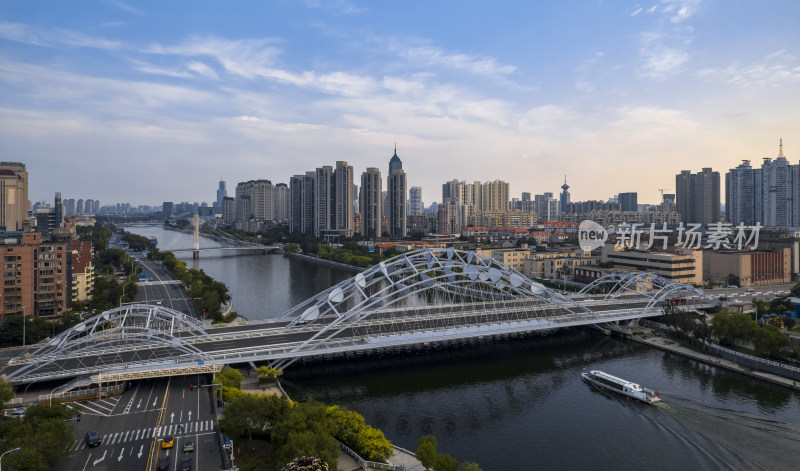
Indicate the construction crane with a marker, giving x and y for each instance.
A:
(662, 190)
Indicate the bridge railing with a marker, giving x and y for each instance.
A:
(749, 361)
(366, 465)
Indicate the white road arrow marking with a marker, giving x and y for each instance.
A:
(190, 416)
(99, 459)
(139, 404)
(172, 417)
(120, 455)
(141, 447)
(155, 401)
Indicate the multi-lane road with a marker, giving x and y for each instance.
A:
(161, 287)
(133, 425)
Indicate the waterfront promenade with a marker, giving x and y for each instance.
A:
(649, 337)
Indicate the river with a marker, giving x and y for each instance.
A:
(519, 403)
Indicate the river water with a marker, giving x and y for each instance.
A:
(519, 403)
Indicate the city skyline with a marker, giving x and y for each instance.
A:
(147, 102)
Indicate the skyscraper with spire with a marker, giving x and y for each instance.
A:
(397, 186)
(562, 204)
(769, 195)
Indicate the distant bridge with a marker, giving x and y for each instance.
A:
(426, 296)
(210, 231)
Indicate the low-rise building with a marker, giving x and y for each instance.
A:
(559, 264)
(685, 265)
(82, 270)
(752, 268)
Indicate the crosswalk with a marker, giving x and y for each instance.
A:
(191, 428)
(103, 407)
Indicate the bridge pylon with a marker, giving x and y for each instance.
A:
(196, 237)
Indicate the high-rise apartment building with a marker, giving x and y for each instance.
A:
(167, 209)
(280, 200)
(628, 201)
(769, 195)
(698, 196)
(494, 196)
(13, 196)
(228, 209)
(415, 204)
(259, 206)
(370, 203)
(324, 200)
(343, 204)
(37, 276)
(301, 203)
(396, 188)
(546, 207)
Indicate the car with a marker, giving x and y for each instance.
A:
(93, 439)
(188, 446)
(185, 464)
(162, 464)
(750, 290)
(168, 441)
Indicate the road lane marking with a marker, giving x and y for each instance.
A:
(161, 417)
(100, 459)
(87, 461)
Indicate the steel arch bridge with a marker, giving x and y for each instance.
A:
(433, 288)
(127, 335)
(428, 295)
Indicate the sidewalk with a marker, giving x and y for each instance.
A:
(649, 337)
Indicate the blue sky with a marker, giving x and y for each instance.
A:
(145, 102)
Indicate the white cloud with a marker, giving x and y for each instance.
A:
(339, 7)
(636, 12)
(201, 69)
(124, 6)
(775, 70)
(23, 33)
(433, 56)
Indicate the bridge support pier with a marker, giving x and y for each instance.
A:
(196, 237)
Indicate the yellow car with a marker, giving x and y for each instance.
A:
(168, 441)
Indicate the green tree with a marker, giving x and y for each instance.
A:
(795, 290)
(229, 377)
(769, 340)
(732, 327)
(43, 435)
(445, 462)
(244, 416)
(6, 392)
(306, 430)
(469, 466)
(426, 450)
(266, 375)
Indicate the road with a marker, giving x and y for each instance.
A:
(133, 424)
(164, 291)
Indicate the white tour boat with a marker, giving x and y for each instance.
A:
(622, 386)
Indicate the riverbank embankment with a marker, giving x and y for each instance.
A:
(654, 338)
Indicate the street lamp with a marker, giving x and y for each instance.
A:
(54, 390)
(123, 293)
(4, 454)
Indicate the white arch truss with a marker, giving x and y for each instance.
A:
(133, 333)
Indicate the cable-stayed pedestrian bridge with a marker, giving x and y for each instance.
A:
(426, 296)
